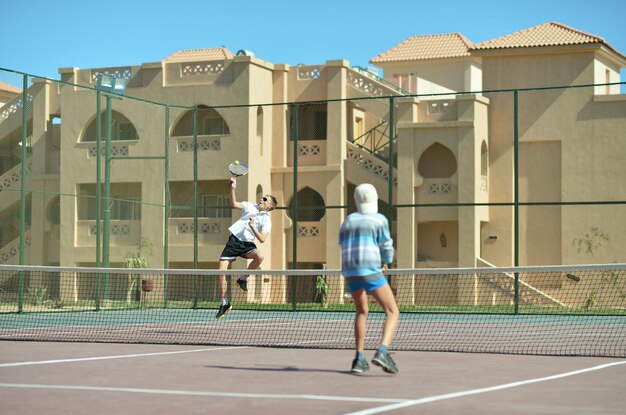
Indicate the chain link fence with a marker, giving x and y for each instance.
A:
(511, 177)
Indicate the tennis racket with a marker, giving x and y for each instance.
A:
(238, 169)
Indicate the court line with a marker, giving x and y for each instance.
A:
(201, 393)
(127, 356)
(481, 390)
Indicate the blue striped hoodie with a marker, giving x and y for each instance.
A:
(365, 244)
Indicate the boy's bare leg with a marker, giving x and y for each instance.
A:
(360, 319)
(221, 280)
(384, 297)
(257, 258)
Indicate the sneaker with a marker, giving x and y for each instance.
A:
(359, 366)
(384, 360)
(243, 285)
(224, 308)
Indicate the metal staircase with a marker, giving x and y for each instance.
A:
(369, 156)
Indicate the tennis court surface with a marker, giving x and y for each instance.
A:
(105, 378)
(471, 341)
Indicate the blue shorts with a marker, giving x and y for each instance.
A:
(356, 284)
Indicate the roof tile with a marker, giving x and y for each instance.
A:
(547, 34)
(9, 88)
(450, 45)
(199, 55)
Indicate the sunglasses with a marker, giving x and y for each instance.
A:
(265, 199)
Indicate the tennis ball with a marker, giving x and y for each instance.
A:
(236, 162)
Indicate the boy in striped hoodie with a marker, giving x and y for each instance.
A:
(366, 251)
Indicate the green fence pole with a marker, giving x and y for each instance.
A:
(392, 133)
(22, 276)
(98, 194)
(167, 206)
(294, 205)
(195, 205)
(391, 150)
(107, 197)
(516, 192)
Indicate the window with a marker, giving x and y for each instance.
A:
(210, 122)
(121, 129)
(214, 125)
(125, 201)
(311, 206)
(215, 206)
(259, 128)
(126, 208)
(358, 130)
(320, 125)
(126, 131)
(484, 159)
(312, 122)
(437, 161)
(406, 81)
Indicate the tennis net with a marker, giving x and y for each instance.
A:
(558, 310)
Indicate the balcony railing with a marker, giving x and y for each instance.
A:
(10, 252)
(205, 143)
(14, 176)
(211, 231)
(14, 107)
(381, 80)
(371, 86)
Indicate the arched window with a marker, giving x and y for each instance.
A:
(121, 128)
(259, 128)
(210, 122)
(311, 206)
(484, 159)
(437, 162)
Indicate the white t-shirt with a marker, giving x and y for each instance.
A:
(262, 222)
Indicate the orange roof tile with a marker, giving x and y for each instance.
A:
(198, 55)
(450, 45)
(547, 34)
(9, 88)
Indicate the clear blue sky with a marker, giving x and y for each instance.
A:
(40, 36)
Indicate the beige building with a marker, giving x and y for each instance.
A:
(455, 145)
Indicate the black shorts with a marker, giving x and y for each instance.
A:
(236, 248)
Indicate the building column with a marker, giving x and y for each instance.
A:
(406, 223)
(36, 179)
(337, 134)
